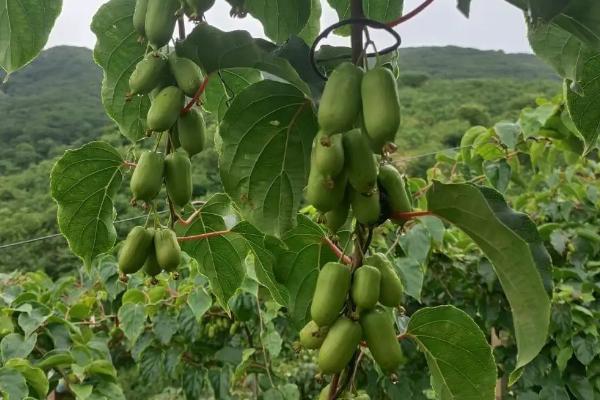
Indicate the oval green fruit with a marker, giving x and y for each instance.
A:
(139, 17)
(328, 154)
(312, 335)
(191, 132)
(160, 21)
(339, 346)
(168, 252)
(325, 193)
(333, 284)
(366, 286)
(178, 178)
(187, 74)
(135, 250)
(147, 177)
(396, 194)
(165, 109)
(379, 332)
(151, 266)
(366, 208)
(336, 218)
(147, 74)
(361, 163)
(340, 104)
(391, 288)
(380, 106)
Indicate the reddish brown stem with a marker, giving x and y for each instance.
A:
(190, 219)
(411, 14)
(129, 164)
(411, 215)
(201, 236)
(196, 97)
(337, 251)
(333, 388)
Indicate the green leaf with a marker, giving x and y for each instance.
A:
(220, 258)
(312, 28)
(498, 174)
(55, 358)
(416, 243)
(558, 48)
(12, 384)
(16, 345)
(267, 136)
(563, 357)
(165, 326)
(459, 358)
(83, 184)
(554, 393)
(264, 259)
(24, 29)
(585, 110)
(117, 52)
(581, 18)
(412, 276)
(193, 382)
(280, 18)
(100, 367)
(508, 133)
(32, 320)
(199, 302)
(214, 50)
(222, 89)
(132, 319)
(298, 266)
(511, 242)
(585, 348)
(35, 377)
(464, 6)
(380, 10)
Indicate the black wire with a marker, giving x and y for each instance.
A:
(354, 21)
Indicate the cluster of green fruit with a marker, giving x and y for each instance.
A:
(218, 326)
(154, 250)
(359, 116)
(337, 331)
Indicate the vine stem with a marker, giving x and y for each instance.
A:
(337, 251)
(129, 164)
(202, 236)
(411, 215)
(197, 96)
(411, 14)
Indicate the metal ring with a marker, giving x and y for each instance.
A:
(354, 21)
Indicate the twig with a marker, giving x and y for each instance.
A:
(337, 251)
(197, 96)
(201, 236)
(411, 215)
(411, 14)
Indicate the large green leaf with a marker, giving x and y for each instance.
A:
(15, 345)
(261, 246)
(220, 258)
(24, 29)
(312, 28)
(581, 18)
(460, 359)
(585, 110)
(35, 377)
(118, 51)
(214, 50)
(267, 137)
(83, 183)
(280, 18)
(132, 320)
(12, 384)
(222, 89)
(380, 10)
(298, 266)
(512, 244)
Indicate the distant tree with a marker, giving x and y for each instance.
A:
(414, 79)
(475, 114)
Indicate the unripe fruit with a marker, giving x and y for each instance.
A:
(160, 21)
(147, 177)
(135, 250)
(147, 74)
(312, 336)
(325, 193)
(328, 153)
(165, 109)
(331, 291)
(381, 106)
(340, 103)
(379, 332)
(339, 346)
(139, 17)
(366, 287)
(366, 208)
(394, 187)
(168, 252)
(191, 132)
(178, 178)
(187, 74)
(391, 288)
(151, 266)
(360, 161)
(337, 217)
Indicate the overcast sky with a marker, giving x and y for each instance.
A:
(494, 25)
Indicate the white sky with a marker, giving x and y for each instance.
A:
(494, 25)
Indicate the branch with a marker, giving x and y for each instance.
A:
(410, 215)
(129, 164)
(411, 14)
(202, 236)
(197, 96)
(337, 251)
